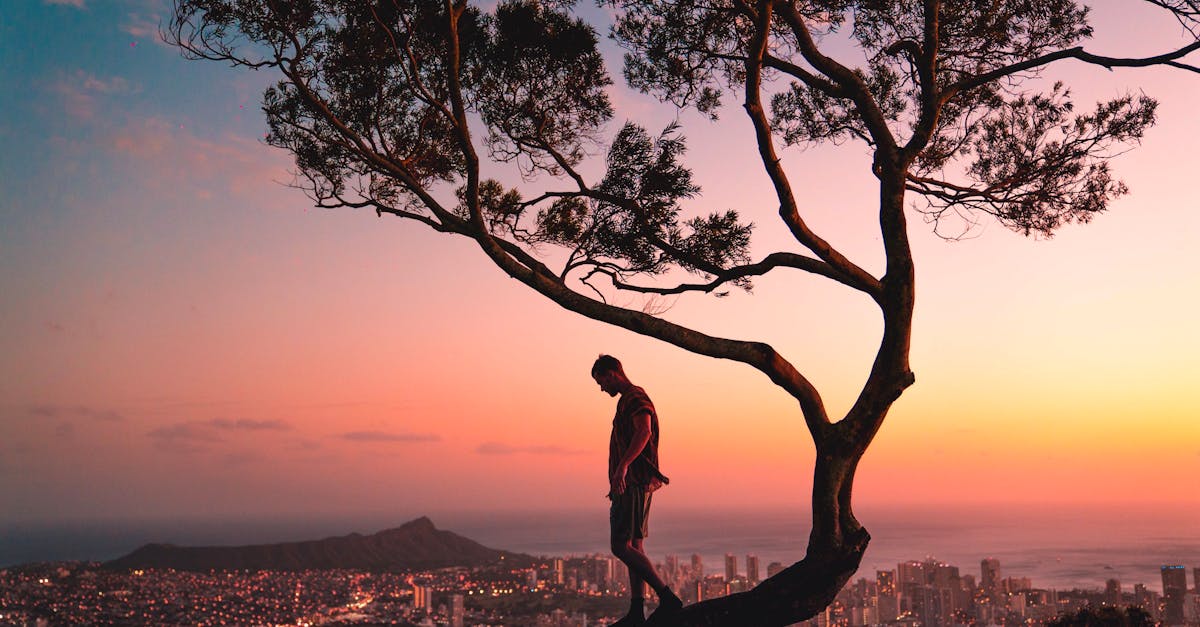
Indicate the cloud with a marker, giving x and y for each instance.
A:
(187, 432)
(197, 435)
(142, 26)
(79, 92)
(79, 411)
(383, 436)
(185, 437)
(246, 424)
(496, 448)
(113, 85)
(171, 156)
(78, 4)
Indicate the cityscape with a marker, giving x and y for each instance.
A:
(572, 591)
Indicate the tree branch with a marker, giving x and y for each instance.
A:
(517, 263)
(788, 209)
(1170, 58)
(770, 262)
(926, 64)
(869, 111)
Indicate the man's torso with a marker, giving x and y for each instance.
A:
(644, 470)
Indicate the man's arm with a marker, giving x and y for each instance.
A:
(641, 436)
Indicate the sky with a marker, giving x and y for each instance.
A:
(183, 335)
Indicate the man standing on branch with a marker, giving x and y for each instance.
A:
(633, 475)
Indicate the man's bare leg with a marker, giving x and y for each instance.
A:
(623, 550)
(641, 569)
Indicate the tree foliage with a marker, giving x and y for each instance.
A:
(397, 105)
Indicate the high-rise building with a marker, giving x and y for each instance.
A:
(600, 571)
(730, 566)
(423, 598)
(1016, 584)
(557, 577)
(911, 572)
(1112, 592)
(711, 587)
(672, 566)
(458, 611)
(942, 575)
(889, 608)
(1146, 599)
(774, 568)
(1174, 580)
(752, 569)
(989, 578)
(697, 566)
(1191, 608)
(886, 580)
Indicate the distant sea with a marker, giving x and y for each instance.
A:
(1057, 547)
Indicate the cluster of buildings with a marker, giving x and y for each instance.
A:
(575, 591)
(83, 593)
(931, 593)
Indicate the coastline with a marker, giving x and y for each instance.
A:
(1056, 547)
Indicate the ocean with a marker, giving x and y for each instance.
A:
(1056, 547)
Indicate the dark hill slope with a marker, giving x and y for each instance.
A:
(416, 545)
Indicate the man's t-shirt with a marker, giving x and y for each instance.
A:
(644, 469)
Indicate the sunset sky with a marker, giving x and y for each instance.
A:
(181, 334)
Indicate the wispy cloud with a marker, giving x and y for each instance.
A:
(384, 436)
(496, 448)
(111, 85)
(196, 435)
(246, 424)
(185, 437)
(169, 154)
(78, 4)
(79, 92)
(75, 411)
(142, 26)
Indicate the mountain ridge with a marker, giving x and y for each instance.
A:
(415, 545)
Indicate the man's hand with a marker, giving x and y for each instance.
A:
(616, 483)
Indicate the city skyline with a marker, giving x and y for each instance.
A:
(184, 334)
(917, 593)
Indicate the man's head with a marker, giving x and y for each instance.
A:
(607, 372)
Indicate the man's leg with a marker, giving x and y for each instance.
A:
(630, 552)
(637, 591)
(633, 508)
(642, 569)
(622, 522)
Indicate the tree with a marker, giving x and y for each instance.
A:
(393, 105)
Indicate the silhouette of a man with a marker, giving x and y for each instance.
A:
(633, 475)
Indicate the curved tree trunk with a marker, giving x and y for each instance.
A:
(807, 587)
(838, 541)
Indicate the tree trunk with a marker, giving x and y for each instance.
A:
(804, 589)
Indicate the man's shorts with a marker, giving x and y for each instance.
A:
(629, 514)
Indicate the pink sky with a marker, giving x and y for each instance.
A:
(182, 335)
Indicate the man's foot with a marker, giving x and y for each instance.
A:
(668, 606)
